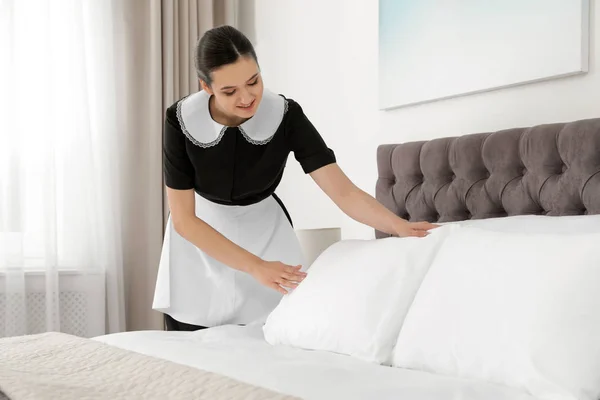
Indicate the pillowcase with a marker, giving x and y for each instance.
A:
(521, 310)
(355, 297)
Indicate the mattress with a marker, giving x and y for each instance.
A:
(243, 354)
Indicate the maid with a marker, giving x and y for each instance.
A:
(230, 252)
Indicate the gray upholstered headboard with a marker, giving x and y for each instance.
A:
(551, 169)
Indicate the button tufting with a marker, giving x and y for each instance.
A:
(564, 168)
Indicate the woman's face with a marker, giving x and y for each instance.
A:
(237, 88)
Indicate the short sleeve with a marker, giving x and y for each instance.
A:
(309, 148)
(177, 166)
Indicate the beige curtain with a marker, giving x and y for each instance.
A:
(183, 23)
(156, 53)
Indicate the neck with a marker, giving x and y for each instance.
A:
(221, 117)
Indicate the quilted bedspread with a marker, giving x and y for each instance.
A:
(60, 366)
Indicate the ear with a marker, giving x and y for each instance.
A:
(206, 87)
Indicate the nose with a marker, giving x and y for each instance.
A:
(245, 96)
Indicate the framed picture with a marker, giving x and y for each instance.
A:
(437, 49)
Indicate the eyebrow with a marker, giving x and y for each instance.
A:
(232, 87)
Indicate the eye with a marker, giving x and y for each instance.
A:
(229, 93)
(254, 82)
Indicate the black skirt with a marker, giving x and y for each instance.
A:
(172, 324)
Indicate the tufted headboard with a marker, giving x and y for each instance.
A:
(551, 169)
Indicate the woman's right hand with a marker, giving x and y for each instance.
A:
(277, 275)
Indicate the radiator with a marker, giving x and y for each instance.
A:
(81, 304)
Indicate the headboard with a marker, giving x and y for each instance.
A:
(551, 169)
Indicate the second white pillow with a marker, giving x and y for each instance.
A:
(515, 309)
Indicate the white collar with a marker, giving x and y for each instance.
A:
(197, 124)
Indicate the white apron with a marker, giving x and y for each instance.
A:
(196, 289)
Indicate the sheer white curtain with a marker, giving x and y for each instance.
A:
(83, 89)
(61, 265)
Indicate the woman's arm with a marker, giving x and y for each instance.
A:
(206, 238)
(362, 207)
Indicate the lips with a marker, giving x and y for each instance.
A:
(247, 106)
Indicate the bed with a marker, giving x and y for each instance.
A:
(537, 179)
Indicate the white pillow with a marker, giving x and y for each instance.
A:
(521, 310)
(355, 297)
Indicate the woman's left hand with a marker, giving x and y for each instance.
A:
(418, 229)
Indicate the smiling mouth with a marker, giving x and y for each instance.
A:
(247, 106)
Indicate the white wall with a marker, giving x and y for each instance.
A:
(324, 55)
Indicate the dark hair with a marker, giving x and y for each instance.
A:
(220, 46)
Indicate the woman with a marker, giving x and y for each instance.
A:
(230, 251)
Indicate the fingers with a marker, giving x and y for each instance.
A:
(293, 277)
(294, 270)
(288, 284)
(419, 233)
(281, 285)
(279, 276)
(293, 273)
(424, 225)
(416, 233)
(278, 288)
(290, 280)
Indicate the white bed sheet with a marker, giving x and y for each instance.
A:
(243, 354)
